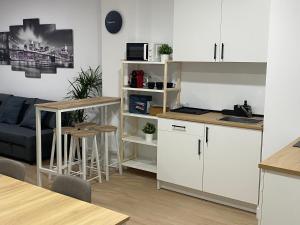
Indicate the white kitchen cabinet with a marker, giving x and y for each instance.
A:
(280, 199)
(180, 153)
(238, 28)
(231, 158)
(244, 30)
(196, 30)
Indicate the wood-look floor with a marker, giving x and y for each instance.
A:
(135, 194)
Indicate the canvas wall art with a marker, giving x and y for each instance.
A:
(4, 51)
(38, 48)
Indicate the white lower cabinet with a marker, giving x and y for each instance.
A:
(279, 203)
(231, 158)
(215, 159)
(180, 153)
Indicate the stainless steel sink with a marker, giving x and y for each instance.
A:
(240, 119)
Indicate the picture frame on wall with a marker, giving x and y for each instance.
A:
(4, 48)
(36, 48)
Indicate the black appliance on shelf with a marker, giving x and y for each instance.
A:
(137, 51)
(189, 110)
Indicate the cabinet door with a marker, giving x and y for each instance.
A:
(280, 199)
(231, 157)
(179, 159)
(196, 29)
(244, 30)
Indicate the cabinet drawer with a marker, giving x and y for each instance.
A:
(181, 126)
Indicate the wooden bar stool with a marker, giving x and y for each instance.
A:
(82, 135)
(112, 131)
(85, 125)
(65, 131)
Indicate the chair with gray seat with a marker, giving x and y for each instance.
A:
(12, 169)
(73, 187)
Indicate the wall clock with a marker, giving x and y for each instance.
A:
(113, 22)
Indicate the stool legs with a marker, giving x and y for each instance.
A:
(84, 158)
(52, 154)
(106, 156)
(95, 151)
(118, 153)
(72, 145)
(53, 151)
(65, 152)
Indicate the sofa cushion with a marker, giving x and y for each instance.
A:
(12, 107)
(29, 118)
(17, 135)
(26, 106)
(3, 98)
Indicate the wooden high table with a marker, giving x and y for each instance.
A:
(22, 203)
(58, 108)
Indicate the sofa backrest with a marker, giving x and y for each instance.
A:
(48, 117)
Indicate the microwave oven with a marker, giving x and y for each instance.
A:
(137, 51)
(142, 52)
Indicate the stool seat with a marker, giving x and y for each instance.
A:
(105, 128)
(66, 130)
(83, 133)
(85, 125)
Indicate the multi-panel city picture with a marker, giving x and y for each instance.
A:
(38, 48)
(4, 51)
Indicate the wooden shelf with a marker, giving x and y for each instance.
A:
(141, 164)
(145, 116)
(143, 89)
(139, 140)
(143, 62)
(126, 88)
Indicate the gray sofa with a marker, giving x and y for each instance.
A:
(17, 128)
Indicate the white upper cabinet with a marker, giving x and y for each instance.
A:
(244, 30)
(196, 30)
(238, 29)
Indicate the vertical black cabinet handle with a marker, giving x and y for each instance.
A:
(215, 52)
(206, 135)
(199, 147)
(222, 52)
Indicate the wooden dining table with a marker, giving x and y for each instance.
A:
(22, 203)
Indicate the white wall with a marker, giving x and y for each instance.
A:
(214, 86)
(282, 109)
(219, 86)
(81, 16)
(144, 20)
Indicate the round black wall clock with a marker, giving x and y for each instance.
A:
(113, 22)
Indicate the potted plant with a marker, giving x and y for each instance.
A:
(88, 84)
(149, 129)
(165, 51)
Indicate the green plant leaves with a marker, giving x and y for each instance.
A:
(165, 49)
(149, 128)
(88, 84)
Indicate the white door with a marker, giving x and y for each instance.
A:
(231, 157)
(179, 160)
(196, 30)
(244, 30)
(280, 199)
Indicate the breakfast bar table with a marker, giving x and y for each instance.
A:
(58, 108)
(22, 203)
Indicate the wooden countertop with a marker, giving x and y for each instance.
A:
(70, 104)
(25, 204)
(287, 160)
(210, 118)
